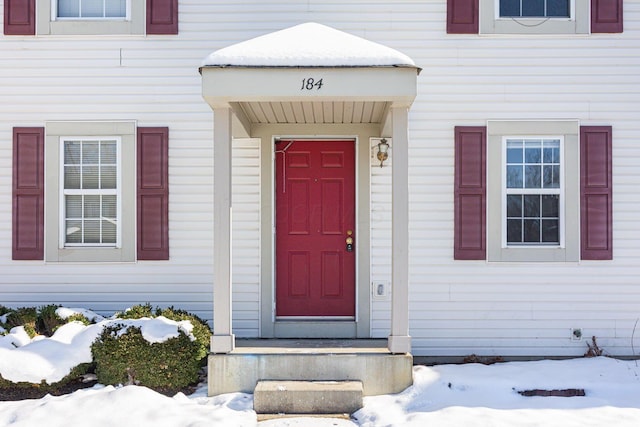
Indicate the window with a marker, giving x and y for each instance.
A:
(534, 17)
(90, 192)
(76, 17)
(532, 186)
(90, 17)
(90, 203)
(101, 179)
(533, 191)
(535, 8)
(543, 195)
(101, 9)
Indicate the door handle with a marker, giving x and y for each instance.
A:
(349, 241)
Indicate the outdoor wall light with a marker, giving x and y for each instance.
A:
(383, 151)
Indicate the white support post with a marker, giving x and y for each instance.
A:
(222, 341)
(399, 341)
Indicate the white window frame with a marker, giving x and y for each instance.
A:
(125, 251)
(578, 21)
(55, 17)
(64, 192)
(569, 248)
(48, 23)
(534, 191)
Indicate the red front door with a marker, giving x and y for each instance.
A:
(315, 215)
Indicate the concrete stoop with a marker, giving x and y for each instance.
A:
(378, 371)
(307, 397)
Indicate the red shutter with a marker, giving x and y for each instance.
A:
(462, 17)
(162, 16)
(470, 193)
(20, 17)
(606, 16)
(153, 193)
(28, 194)
(596, 212)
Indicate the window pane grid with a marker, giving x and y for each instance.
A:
(91, 219)
(90, 192)
(532, 191)
(533, 219)
(92, 9)
(535, 8)
(533, 164)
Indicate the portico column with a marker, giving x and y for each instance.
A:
(222, 341)
(399, 340)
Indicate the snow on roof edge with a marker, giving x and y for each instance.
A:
(308, 66)
(305, 46)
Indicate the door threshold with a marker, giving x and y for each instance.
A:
(324, 327)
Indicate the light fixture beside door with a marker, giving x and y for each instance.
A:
(383, 151)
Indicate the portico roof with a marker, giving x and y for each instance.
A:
(309, 74)
(308, 45)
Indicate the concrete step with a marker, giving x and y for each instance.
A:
(307, 397)
(379, 372)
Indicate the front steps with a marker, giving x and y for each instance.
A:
(366, 361)
(307, 397)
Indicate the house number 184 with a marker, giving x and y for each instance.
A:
(311, 84)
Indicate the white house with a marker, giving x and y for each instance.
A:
(501, 223)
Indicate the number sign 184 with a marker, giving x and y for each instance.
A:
(311, 84)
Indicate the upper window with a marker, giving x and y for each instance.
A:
(535, 8)
(91, 9)
(532, 187)
(89, 17)
(90, 192)
(534, 17)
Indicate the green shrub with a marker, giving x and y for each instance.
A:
(24, 316)
(123, 356)
(4, 310)
(48, 321)
(4, 328)
(137, 312)
(79, 318)
(37, 390)
(41, 321)
(201, 330)
(120, 354)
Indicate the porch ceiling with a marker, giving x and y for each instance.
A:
(314, 112)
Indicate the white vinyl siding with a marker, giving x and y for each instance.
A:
(456, 308)
(380, 241)
(246, 193)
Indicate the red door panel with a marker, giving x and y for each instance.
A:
(315, 212)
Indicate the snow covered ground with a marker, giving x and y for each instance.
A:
(446, 395)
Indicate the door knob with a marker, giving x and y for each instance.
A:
(349, 241)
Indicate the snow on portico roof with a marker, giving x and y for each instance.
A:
(308, 45)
